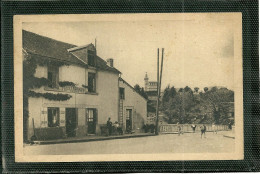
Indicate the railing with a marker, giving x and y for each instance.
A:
(68, 89)
(170, 128)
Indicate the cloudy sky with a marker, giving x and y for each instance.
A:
(198, 53)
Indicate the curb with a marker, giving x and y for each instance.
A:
(88, 140)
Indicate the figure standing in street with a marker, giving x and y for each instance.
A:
(214, 129)
(179, 129)
(203, 130)
(193, 126)
(109, 126)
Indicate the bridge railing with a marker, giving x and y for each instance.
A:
(170, 128)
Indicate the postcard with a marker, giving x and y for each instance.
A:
(128, 87)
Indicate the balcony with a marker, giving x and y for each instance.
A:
(70, 89)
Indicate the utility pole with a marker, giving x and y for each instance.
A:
(157, 105)
(96, 45)
(159, 81)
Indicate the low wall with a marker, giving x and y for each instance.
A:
(170, 128)
(50, 133)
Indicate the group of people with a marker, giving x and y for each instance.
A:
(115, 126)
(203, 129)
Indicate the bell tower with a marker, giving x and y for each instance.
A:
(146, 82)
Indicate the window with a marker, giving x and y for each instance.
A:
(91, 114)
(122, 93)
(53, 117)
(91, 58)
(53, 76)
(91, 82)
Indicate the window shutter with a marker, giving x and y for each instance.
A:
(95, 116)
(62, 117)
(86, 117)
(44, 118)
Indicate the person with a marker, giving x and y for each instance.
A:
(193, 126)
(214, 129)
(116, 125)
(179, 129)
(203, 130)
(109, 126)
(230, 126)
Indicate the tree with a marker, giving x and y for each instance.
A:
(180, 90)
(166, 95)
(208, 107)
(173, 92)
(206, 89)
(187, 89)
(215, 99)
(140, 91)
(196, 89)
(137, 88)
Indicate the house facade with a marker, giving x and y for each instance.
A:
(82, 91)
(132, 113)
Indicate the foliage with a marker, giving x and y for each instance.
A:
(151, 106)
(206, 89)
(66, 83)
(84, 86)
(196, 89)
(185, 106)
(50, 96)
(141, 91)
(30, 63)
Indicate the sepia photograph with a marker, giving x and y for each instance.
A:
(128, 87)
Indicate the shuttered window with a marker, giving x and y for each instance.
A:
(53, 117)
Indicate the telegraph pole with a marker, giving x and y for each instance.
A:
(159, 81)
(157, 105)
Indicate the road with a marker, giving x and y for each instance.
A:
(167, 143)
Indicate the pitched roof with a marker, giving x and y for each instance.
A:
(120, 79)
(50, 48)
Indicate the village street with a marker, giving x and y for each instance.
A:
(166, 143)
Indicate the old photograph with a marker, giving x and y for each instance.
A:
(128, 87)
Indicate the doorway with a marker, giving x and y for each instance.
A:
(128, 120)
(91, 120)
(71, 122)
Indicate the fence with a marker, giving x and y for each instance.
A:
(170, 128)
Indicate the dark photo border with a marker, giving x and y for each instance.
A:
(250, 20)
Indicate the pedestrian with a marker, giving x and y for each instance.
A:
(109, 126)
(193, 126)
(230, 126)
(116, 125)
(179, 129)
(203, 130)
(214, 129)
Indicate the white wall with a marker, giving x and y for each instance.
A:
(105, 99)
(137, 102)
(73, 73)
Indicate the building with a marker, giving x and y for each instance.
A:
(82, 92)
(149, 85)
(132, 113)
(150, 88)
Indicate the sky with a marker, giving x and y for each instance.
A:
(197, 53)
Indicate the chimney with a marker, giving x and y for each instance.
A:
(110, 62)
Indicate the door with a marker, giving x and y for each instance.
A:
(91, 120)
(71, 122)
(128, 120)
